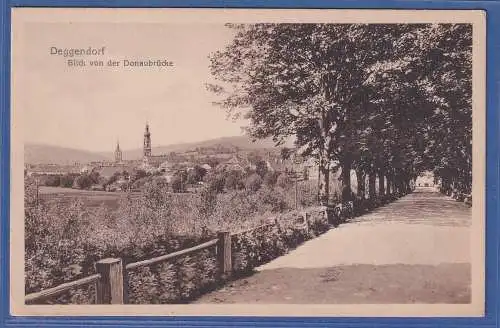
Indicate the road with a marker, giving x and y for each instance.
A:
(414, 250)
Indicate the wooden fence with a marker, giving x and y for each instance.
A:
(110, 278)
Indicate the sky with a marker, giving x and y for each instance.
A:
(91, 108)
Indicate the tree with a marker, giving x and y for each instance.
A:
(261, 168)
(67, 180)
(302, 80)
(112, 179)
(234, 180)
(177, 184)
(94, 177)
(53, 181)
(379, 98)
(427, 88)
(139, 174)
(84, 181)
(216, 181)
(196, 174)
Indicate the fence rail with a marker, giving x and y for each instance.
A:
(241, 232)
(110, 282)
(58, 290)
(173, 255)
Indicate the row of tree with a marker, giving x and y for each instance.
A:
(386, 100)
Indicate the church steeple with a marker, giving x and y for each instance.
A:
(147, 142)
(118, 152)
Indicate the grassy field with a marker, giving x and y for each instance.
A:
(88, 197)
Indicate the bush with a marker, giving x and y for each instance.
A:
(53, 181)
(216, 181)
(177, 184)
(67, 181)
(112, 179)
(261, 168)
(196, 174)
(84, 181)
(64, 240)
(234, 180)
(253, 182)
(270, 179)
(283, 180)
(258, 246)
(138, 174)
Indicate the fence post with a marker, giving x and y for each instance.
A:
(224, 253)
(306, 222)
(109, 288)
(277, 223)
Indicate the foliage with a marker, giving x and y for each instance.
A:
(377, 98)
(253, 182)
(196, 174)
(84, 181)
(53, 181)
(216, 181)
(270, 179)
(234, 180)
(67, 180)
(283, 180)
(261, 168)
(138, 174)
(63, 241)
(178, 184)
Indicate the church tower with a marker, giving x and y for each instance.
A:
(147, 142)
(118, 153)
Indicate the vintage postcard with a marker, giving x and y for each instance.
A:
(248, 162)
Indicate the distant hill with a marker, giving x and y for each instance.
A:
(45, 154)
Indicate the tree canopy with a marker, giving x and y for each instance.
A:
(387, 99)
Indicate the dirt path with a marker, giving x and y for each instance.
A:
(415, 250)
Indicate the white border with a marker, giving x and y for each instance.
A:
(21, 16)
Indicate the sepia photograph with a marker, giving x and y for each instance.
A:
(247, 162)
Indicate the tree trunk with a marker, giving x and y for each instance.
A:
(324, 126)
(389, 185)
(360, 176)
(381, 183)
(346, 179)
(371, 185)
(324, 182)
(397, 183)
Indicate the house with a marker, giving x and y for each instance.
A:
(234, 163)
(166, 166)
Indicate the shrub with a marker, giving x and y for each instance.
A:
(67, 181)
(261, 168)
(64, 240)
(216, 181)
(138, 174)
(177, 184)
(112, 179)
(234, 180)
(84, 181)
(53, 181)
(253, 182)
(270, 179)
(283, 180)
